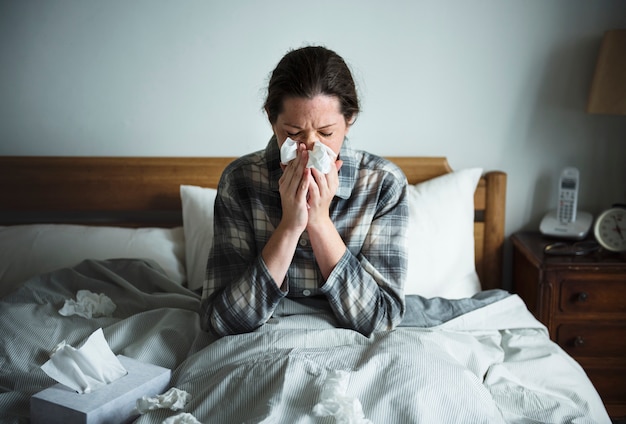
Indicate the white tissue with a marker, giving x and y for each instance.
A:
(321, 157)
(174, 399)
(334, 401)
(182, 418)
(288, 151)
(85, 369)
(88, 305)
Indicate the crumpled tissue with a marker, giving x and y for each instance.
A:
(321, 157)
(182, 418)
(335, 402)
(85, 369)
(88, 305)
(174, 399)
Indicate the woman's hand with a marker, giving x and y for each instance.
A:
(322, 190)
(294, 186)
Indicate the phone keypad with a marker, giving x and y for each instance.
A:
(566, 205)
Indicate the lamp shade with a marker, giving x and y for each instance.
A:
(608, 89)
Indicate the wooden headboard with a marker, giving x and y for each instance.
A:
(145, 191)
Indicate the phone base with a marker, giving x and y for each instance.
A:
(577, 230)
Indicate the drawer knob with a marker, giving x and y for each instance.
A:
(579, 341)
(582, 297)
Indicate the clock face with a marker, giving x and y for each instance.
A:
(610, 229)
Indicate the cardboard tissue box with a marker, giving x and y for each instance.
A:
(113, 403)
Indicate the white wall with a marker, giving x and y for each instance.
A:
(491, 83)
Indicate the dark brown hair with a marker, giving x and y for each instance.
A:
(307, 72)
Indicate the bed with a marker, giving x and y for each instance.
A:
(138, 230)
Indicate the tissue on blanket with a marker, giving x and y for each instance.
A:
(174, 399)
(88, 305)
(182, 418)
(91, 366)
(321, 157)
(334, 401)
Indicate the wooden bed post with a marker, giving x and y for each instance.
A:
(495, 204)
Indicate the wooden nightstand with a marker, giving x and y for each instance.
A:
(582, 301)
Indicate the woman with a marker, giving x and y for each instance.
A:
(286, 229)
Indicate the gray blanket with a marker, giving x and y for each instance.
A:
(247, 378)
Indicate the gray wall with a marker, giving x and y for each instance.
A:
(490, 83)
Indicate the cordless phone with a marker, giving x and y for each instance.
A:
(568, 195)
(566, 221)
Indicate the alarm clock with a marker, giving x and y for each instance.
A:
(610, 229)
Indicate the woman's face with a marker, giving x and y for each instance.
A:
(309, 120)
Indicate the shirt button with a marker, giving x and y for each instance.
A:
(303, 242)
(306, 292)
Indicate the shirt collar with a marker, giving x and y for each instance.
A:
(347, 173)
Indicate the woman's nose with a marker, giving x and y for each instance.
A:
(309, 141)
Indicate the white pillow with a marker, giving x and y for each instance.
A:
(441, 236)
(30, 250)
(198, 224)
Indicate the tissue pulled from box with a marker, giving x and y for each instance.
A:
(86, 369)
(88, 305)
(174, 399)
(335, 402)
(321, 157)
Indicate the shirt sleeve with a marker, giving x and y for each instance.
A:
(366, 288)
(239, 294)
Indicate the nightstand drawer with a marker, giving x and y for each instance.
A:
(592, 340)
(580, 293)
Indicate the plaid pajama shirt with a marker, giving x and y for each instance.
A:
(365, 289)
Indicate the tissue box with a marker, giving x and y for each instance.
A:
(113, 403)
